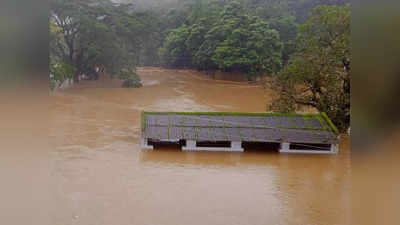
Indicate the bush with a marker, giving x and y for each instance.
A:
(61, 71)
(130, 78)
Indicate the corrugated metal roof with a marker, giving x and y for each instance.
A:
(251, 127)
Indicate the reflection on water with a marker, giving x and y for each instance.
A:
(103, 177)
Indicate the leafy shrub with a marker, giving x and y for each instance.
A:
(130, 78)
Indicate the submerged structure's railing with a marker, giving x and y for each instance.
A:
(296, 133)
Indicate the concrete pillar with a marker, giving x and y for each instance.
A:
(145, 144)
(334, 148)
(285, 146)
(190, 145)
(236, 145)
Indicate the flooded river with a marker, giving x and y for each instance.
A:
(104, 178)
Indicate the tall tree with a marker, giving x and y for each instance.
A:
(318, 75)
(248, 43)
(90, 33)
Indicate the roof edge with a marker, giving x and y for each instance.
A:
(233, 114)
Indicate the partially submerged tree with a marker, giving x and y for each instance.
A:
(130, 78)
(318, 74)
(89, 33)
(60, 72)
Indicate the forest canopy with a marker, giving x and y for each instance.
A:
(234, 41)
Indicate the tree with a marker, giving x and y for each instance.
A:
(318, 74)
(249, 45)
(59, 72)
(130, 78)
(93, 33)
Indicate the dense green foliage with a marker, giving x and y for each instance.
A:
(87, 34)
(318, 74)
(233, 41)
(59, 73)
(248, 36)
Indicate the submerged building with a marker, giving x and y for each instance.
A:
(214, 131)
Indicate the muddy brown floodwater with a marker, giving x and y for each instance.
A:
(102, 176)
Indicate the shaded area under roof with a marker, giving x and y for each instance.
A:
(249, 127)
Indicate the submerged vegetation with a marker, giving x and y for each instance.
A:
(303, 45)
(130, 78)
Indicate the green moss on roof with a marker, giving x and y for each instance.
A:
(232, 114)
